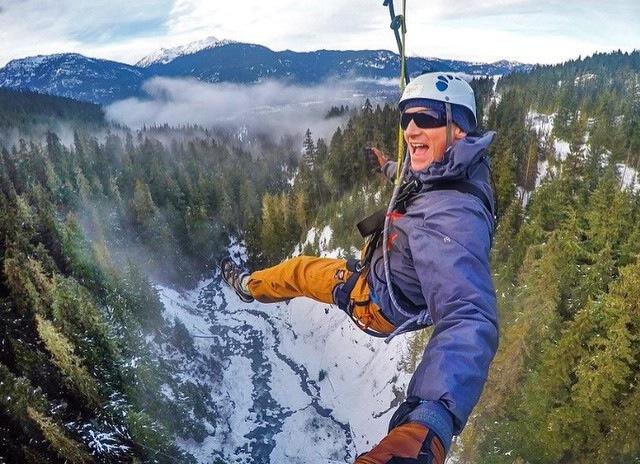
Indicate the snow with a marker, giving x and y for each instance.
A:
(358, 368)
(270, 403)
(628, 177)
(307, 437)
(495, 97)
(322, 241)
(584, 78)
(325, 237)
(543, 125)
(562, 149)
(543, 172)
(166, 55)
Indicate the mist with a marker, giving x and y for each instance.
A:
(268, 107)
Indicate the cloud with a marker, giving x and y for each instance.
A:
(30, 27)
(268, 107)
(526, 30)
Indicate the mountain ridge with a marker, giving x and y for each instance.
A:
(211, 60)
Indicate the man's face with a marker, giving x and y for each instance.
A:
(427, 145)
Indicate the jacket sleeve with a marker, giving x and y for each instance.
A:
(450, 252)
(389, 170)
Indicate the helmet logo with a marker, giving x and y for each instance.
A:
(442, 84)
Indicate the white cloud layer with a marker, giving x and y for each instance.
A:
(269, 107)
(526, 30)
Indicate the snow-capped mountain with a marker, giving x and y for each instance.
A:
(166, 55)
(75, 76)
(212, 60)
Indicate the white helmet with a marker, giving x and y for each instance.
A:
(443, 87)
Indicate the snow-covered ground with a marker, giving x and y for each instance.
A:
(628, 177)
(543, 125)
(321, 241)
(292, 382)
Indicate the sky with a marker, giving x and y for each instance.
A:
(540, 31)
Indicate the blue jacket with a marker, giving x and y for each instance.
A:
(440, 261)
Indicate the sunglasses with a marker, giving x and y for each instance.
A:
(423, 120)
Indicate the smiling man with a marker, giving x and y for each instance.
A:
(439, 271)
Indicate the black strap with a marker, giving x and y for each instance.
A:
(375, 221)
(402, 413)
(342, 296)
(461, 186)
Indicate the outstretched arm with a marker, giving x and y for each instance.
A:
(451, 256)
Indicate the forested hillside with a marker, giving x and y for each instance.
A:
(90, 217)
(84, 227)
(564, 385)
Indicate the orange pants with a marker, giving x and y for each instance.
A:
(316, 278)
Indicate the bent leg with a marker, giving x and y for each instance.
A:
(316, 278)
(308, 276)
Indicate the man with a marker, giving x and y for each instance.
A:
(439, 267)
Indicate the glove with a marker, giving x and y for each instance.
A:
(410, 443)
(375, 159)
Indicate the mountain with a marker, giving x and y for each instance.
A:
(166, 55)
(246, 63)
(75, 76)
(212, 60)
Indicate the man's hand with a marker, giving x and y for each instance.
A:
(375, 159)
(408, 443)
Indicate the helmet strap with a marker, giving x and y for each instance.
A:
(449, 124)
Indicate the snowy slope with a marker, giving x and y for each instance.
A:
(543, 125)
(166, 55)
(73, 75)
(294, 383)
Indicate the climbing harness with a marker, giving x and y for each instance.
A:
(342, 292)
(342, 297)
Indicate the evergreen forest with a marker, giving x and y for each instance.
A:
(93, 214)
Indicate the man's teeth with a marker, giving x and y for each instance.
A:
(420, 145)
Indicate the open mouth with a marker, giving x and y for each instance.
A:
(418, 147)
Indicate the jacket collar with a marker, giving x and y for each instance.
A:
(457, 159)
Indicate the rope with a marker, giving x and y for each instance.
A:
(398, 24)
(422, 318)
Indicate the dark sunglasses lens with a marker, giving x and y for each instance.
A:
(405, 119)
(422, 120)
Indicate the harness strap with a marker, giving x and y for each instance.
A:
(402, 413)
(447, 106)
(461, 186)
(342, 297)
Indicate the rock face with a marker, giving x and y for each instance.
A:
(212, 60)
(281, 383)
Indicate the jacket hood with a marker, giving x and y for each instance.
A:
(457, 159)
